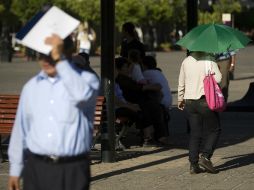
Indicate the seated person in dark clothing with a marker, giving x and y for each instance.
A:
(147, 96)
(134, 92)
(81, 60)
(130, 40)
(123, 107)
(126, 114)
(125, 111)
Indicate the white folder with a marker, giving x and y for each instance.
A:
(44, 24)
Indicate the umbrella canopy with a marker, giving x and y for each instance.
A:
(214, 38)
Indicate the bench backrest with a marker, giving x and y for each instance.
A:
(9, 104)
(100, 114)
(8, 108)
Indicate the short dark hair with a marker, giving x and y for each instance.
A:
(120, 61)
(134, 55)
(69, 47)
(150, 62)
(129, 27)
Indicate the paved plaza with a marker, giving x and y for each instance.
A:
(141, 168)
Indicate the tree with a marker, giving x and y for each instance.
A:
(150, 15)
(85, 10)
(128, 10)
(157, 11)
(26, 9)
(178, 18)
(219, 7)
(1, 8)
(82, 9)
(7, 18)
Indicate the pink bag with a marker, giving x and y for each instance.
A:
(213, 94)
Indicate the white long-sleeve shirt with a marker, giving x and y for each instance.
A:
(192, 74)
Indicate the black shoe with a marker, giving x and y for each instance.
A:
(207, 164)
(195, 169)
(150, 143)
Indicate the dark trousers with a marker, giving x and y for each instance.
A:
(127, 114)
(154, 114)
(205, 129)
(43, 175)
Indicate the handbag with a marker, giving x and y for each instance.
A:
(213, 93)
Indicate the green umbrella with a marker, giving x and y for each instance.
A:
(214, 38)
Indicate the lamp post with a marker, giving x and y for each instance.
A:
(107, 78)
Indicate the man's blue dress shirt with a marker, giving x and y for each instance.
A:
(55, 115)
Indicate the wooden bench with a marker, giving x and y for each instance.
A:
(8, 109)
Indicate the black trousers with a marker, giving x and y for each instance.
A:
(205, 129)
(43, 175)
(129, 114)
(154, 114)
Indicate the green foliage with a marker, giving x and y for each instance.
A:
(179, 13)
(25, 9)
(157, 10)
(128, 10)
(161, 14)
(1, 8)
(227, 6)
(220, 7)
(86, 10)
(82, 9)
(142, 11)
(7, 18)
(148, 12)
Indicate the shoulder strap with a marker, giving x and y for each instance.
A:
(208, 67)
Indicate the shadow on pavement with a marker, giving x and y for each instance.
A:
(236, 162)
(129, 154)
(245, 104)
(236, 127)
(244, 78)
(130, 169)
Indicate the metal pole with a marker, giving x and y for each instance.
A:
(192, 14)
(107, 78)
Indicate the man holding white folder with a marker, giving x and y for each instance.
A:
(52, 133)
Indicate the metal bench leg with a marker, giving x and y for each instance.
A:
(119, 145)
(1, 150)
(95, 140)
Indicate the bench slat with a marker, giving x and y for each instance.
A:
(8, 106)
(8, 101)
(4, 121)
(8, 111)
(7, 116)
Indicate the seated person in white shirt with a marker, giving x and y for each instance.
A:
(136, 67)
(154, 76)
